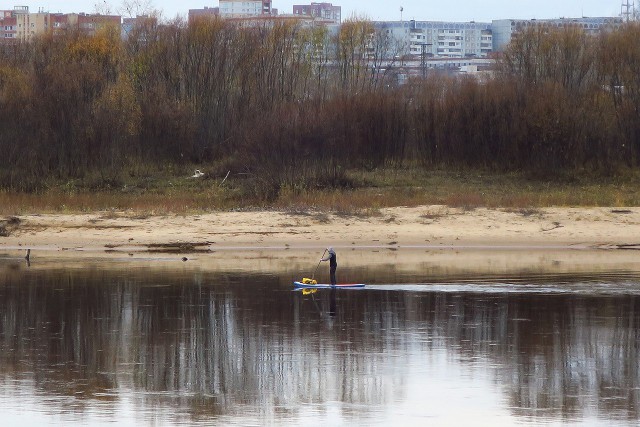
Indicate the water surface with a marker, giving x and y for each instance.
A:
(141, 344)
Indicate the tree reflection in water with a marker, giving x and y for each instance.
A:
(221, 345)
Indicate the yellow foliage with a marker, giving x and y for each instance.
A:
(14, 85)
(99, 48)
(119, 106)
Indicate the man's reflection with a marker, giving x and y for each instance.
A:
(318, 303)
(332, 302)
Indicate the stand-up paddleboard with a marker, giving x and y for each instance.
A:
(300, 285)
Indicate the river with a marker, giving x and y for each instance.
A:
(158, 343)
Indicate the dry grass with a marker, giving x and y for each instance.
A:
(435, 213)
(8, 225)
(375, 190)
(526, 212)
(143, 205)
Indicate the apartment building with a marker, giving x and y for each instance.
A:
(324, 11)
(243, 8)
(505, 29)
(8, 25)
(140, 24)
(89, 24)
(438, 39)
(206, 13)
(21, 25)
(265, 21)
(250, 14)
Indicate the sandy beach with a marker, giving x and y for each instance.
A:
(442, 242)
(421, 227)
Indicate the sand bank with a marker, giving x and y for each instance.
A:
(439, 241)
(421, 227)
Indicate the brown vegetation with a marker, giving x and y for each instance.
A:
(289, 109)
(8, 225)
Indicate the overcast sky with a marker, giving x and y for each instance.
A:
(441, 10)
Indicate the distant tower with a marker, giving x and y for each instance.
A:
(627, 11)
(401, 10)
(266, 7)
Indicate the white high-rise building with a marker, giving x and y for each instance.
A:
(244, 8)
(505, 29)
(439, 39)
(325, 11)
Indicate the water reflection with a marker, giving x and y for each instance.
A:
(147, 345)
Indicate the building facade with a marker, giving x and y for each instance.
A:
(21, 25)
(89, 24)
(206, 13)
(325, 11)
(438, 39)
(8, 26)
(140, 25)
(240, 8)
(505, 29)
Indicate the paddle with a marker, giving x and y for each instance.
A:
(314, 271)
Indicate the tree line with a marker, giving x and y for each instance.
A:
(290, 106)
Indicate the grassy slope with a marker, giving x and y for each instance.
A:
(163, 194)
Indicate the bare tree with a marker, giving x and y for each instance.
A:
(102, 7)
(135, 8)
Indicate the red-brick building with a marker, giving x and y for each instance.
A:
(20, 24)
(86, 23)
(206, 13)
(8, 26)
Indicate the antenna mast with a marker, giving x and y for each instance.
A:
(628, 8)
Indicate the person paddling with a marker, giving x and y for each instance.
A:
(333, 264)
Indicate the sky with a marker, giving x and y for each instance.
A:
(387, 10)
